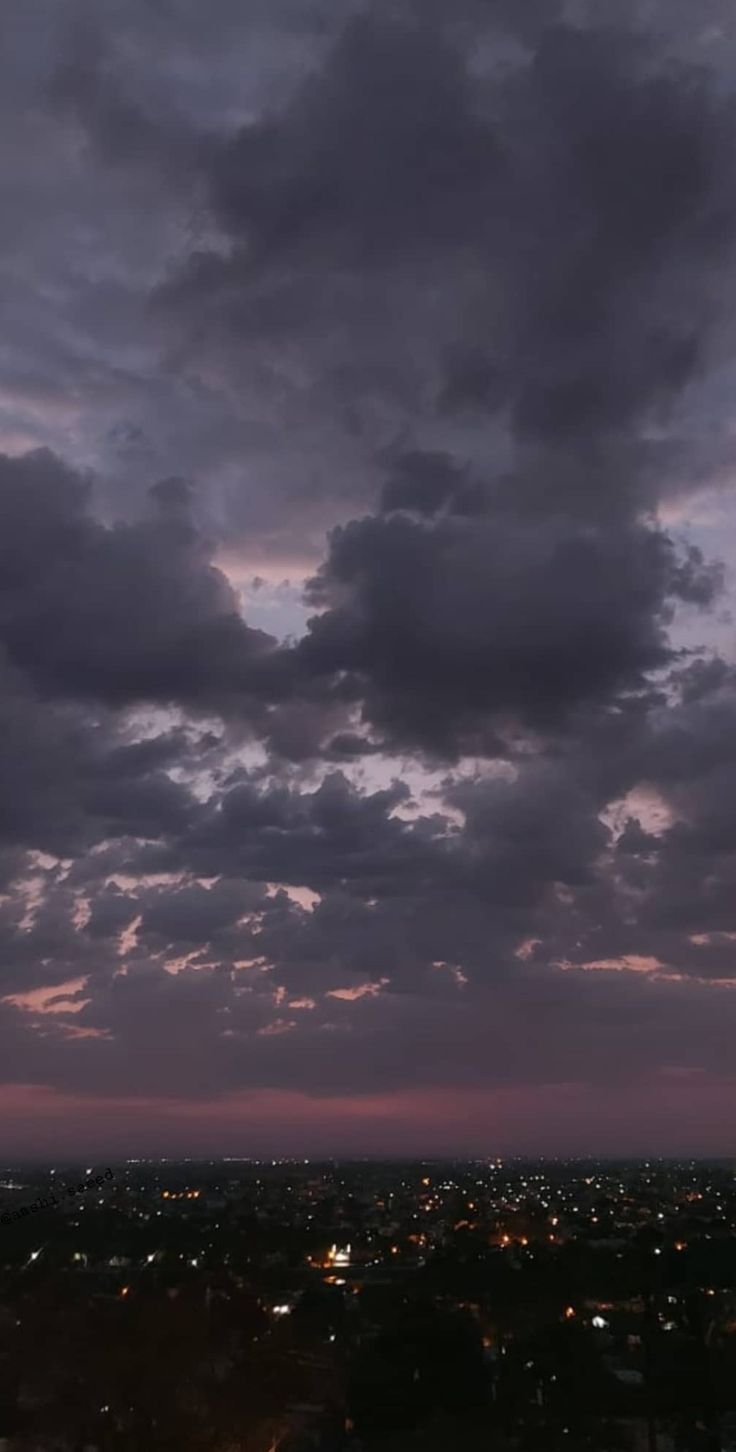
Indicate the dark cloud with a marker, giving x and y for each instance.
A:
(577, 203)
(334, 834)
(61, 784)
(449, 624)
(548, 235)
(132, 613)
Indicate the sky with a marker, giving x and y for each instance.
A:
(367, 678)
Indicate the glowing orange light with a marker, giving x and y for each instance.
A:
(569, 1312)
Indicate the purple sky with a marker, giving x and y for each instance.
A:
(367, 685)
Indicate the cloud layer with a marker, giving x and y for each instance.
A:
(368, 702)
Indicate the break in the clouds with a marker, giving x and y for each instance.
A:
(368, 710)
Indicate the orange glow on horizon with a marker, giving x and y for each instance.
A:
(567, 1117)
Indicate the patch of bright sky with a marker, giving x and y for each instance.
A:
(428, 785)
(304, 896)
(643, 803)
(278, 607)
(708, 522)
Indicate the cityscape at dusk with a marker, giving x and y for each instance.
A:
(251, 1305)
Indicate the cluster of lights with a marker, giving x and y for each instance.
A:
(336, 1256)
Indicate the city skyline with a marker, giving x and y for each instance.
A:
(367, 683)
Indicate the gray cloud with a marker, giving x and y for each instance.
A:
(125, 614)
